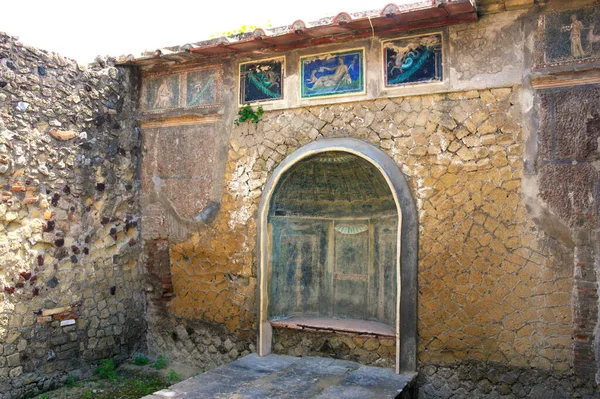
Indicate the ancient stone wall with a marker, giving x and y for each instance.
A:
(501, 159)
(488, 288)
(69, 218)
(505, 179)
(491, 287)
(470, 379)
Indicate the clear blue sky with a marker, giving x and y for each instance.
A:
(82, 29)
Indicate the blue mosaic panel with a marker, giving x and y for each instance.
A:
(332, 74)
(261, 81)
(413, 60)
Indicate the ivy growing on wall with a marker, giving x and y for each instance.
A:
(246, 113)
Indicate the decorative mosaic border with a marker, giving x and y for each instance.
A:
(198, 87)
(412, 64)
(340, 84)
(270, 96)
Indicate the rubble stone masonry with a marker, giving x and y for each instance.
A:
(69, 218)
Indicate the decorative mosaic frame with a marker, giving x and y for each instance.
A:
(426, 50)
(329, 84)
(252, 81)
(560, 44)
(184, 89)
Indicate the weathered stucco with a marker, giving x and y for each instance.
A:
(486, 52)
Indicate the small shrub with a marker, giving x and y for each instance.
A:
(161, 363)
(86, 395)
(71, 381)
(107, 369)
(173, 377)
(140, 360)
(45, 396)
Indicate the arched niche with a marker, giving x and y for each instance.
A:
(387, 197)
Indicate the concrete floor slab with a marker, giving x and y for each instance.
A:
(276, 376)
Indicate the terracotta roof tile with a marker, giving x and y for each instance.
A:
(344, 26)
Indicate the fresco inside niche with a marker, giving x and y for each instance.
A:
(261, 81)
(332, 74)
(572, 35)
(413, 60)
(161, 92)
(202, 87)
(333, 222)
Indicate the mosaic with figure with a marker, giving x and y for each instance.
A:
(261, 81)
(202, 87)
(413, 60)
(161, 93)
(332, 74)
(572, 35)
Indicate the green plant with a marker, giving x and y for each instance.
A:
(140, 360)
(241, 29)
(246, 113)
(161, 363)
(71, 380)
(142, 384)
(45, 396)
(173, 377)
(107, 369)
(86, 395)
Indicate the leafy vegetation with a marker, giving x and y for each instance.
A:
(133, 380)
(160, 363)
(125, 385)
(173, 377)
(107, 369)
(246, 113)
(71, 380)
(241, 29)
(140, 360)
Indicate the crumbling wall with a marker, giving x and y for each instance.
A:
(568, 184)
(69, 218)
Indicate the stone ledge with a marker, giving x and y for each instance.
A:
(329, 324)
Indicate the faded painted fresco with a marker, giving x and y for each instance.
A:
(413, 60)
(332, 73)
(202, 87)
(161, 92)
(334, 241)
(572, 35)
(261, 81)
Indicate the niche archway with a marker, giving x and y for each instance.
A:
(340, 269)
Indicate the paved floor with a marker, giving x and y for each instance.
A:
(276, 376)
